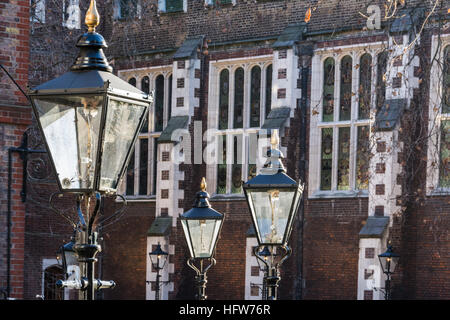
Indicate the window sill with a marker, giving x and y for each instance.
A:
(439, 192)
(227, 197)
(339, 194)
(150, 198)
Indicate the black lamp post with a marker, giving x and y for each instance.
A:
(201, 226)
(89, 119)
(273, 199)
(388, 262)
(158, 254)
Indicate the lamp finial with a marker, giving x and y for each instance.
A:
(203, 184)
(92, 18)
(274, 139)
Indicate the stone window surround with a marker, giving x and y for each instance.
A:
(435, 116)
(138, 74)
(215, 67)
(337, 53)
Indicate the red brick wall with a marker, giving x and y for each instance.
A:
(15, 116)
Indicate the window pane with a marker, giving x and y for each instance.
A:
(328, 90)
(446, 82)
(326, 158)
(132, 81)
(155, 164)
(128, 8)
(143, 167)
(145, 86)
(362, 158)
(444, 168)
(159, 103)
(346, 89)
(365, 76)
(252, 155)
(381, 84)
(268, 89)
(238, 98)
(169, 102)
(174, 5)
(255, 96)
(236, 172)
(222, 165)
(343, 159)
(130, 176)
(224, 88)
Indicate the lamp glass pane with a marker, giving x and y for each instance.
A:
(122, 122)
(271, 210)
(203, 236)
(187, 236)
(71, 126)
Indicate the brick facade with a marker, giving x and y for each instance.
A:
(15, 116)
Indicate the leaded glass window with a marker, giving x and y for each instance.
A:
(159, 103)
(268, 89)
(343, 172)
(326, 159)
(143, 166)
(238, 98)
(236, 171)
(328, 90)
(140, 178)
(446, 81)
(241, 98)
(365, 83)
(444, 152)
(128, 8)
(222, 165)
(444, 168)
(381, 83)
(255, 96)
(344, 133)
(145, 86)
(174, 5)
(224, 92)
(362, 158)
(345, 97)
(130, 176)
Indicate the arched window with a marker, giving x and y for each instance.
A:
(145, 86)
(328, 90)
(224, 89)
(365, 81)
(343, 140)
(255, 96)
(381, 83)
(268, 89)
(51, 275)
(345, 97)
(238, 98)
(159, 103)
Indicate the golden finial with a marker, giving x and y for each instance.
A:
(92, 18)
(274, 140)
(203, 184)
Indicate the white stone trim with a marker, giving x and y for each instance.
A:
(250, 261)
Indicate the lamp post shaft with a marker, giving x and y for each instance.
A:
(272, 281)
(201, 281)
